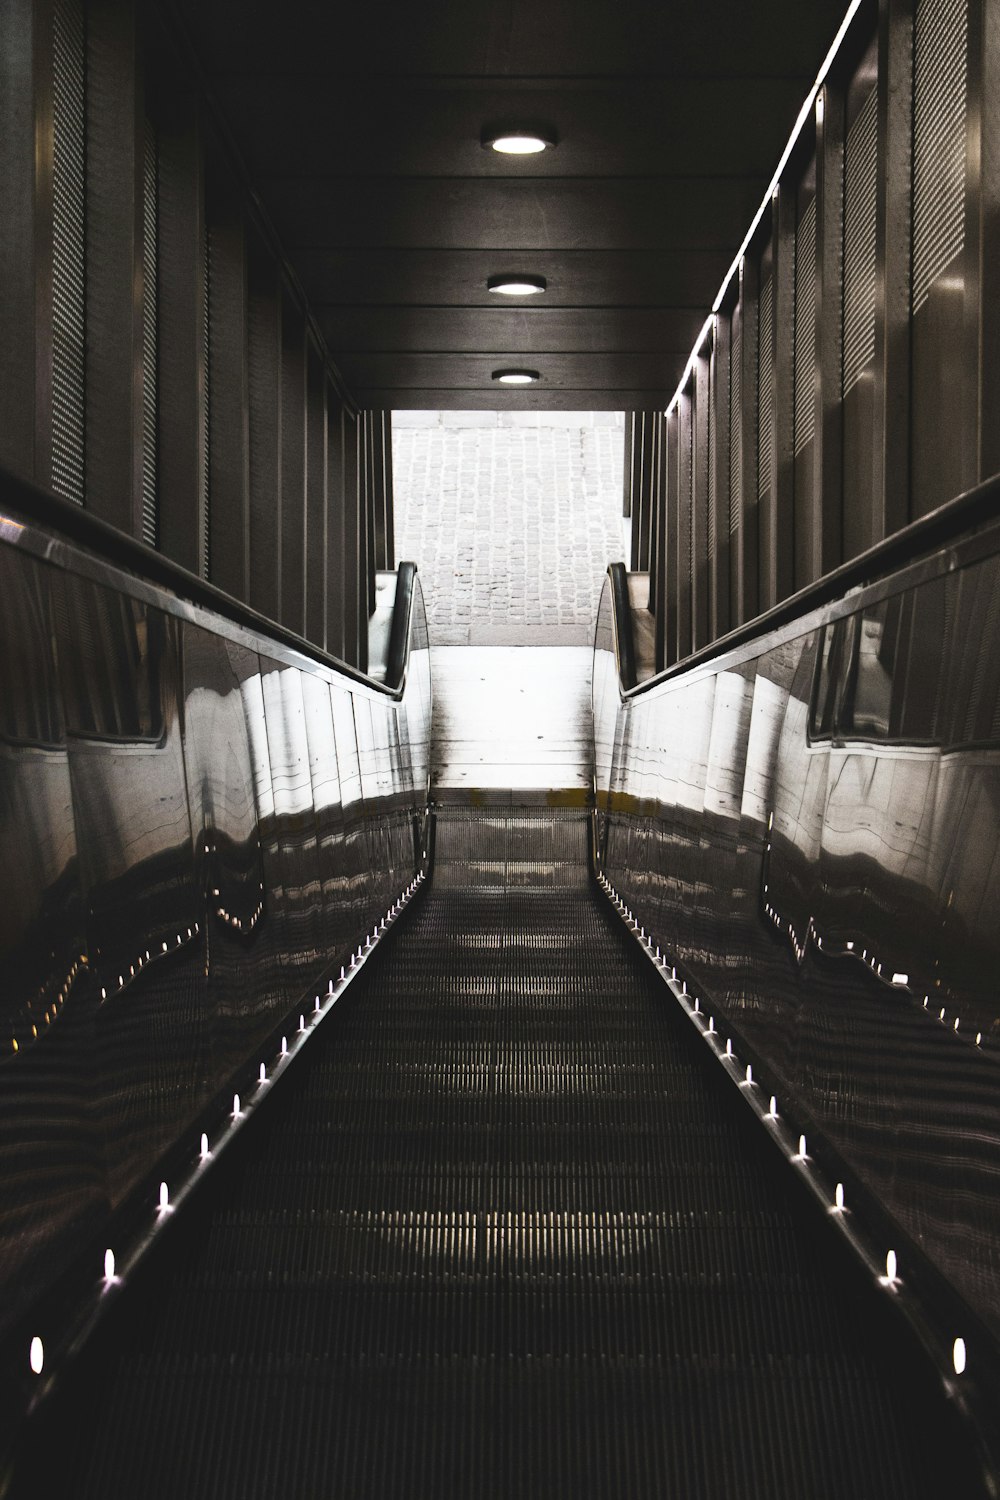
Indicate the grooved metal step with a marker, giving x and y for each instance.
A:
(504, 1235)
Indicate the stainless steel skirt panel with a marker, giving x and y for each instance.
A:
(813, 830)
(194, 834)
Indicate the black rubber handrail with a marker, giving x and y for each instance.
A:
(399, 636)
(949, 522)
(622, 614)
(26, 502)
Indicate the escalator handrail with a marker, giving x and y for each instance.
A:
(621, 614)
(940, 528)
(399, 635)
(28, 505)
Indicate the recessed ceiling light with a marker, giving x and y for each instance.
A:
(516, 286)
(516, 377)
(519, 141)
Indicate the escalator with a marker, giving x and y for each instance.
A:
(502, 1231)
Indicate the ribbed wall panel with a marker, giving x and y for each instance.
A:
(939, 136)
(713, 495)
(206, 410)
(150, 321)
(69, 163)
(765, 390)
(805, 328)
(860, 204)
(687, 491)
(736, 429)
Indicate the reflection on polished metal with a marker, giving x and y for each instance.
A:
(809, 825)
(204, 829)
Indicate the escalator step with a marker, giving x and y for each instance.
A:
(505, 1234)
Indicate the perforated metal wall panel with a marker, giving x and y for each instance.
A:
(939, 137)
(69, 101)
(687, 489)
(150, 319)
(206, 409)
(765, 390)
(713, 498)
(735, 428)
(860, 203)
(805, 327)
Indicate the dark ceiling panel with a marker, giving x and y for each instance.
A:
(360, 130)
(526, 38)
(528, 398)
(457, 278)
(457, 330)
(606, 128)
(530, 213)
(610, 370)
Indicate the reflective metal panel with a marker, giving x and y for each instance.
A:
(329, 808)
(294, 828)
(812, 829)
(244, 990)
(187, 859)
(50, 1165)
(355, 844)
(119, 674)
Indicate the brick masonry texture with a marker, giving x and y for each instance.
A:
(512, 519)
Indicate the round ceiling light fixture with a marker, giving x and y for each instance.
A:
(516, 377)
(522, 140)
(516, 286)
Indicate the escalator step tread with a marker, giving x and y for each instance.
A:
(504, 1235)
